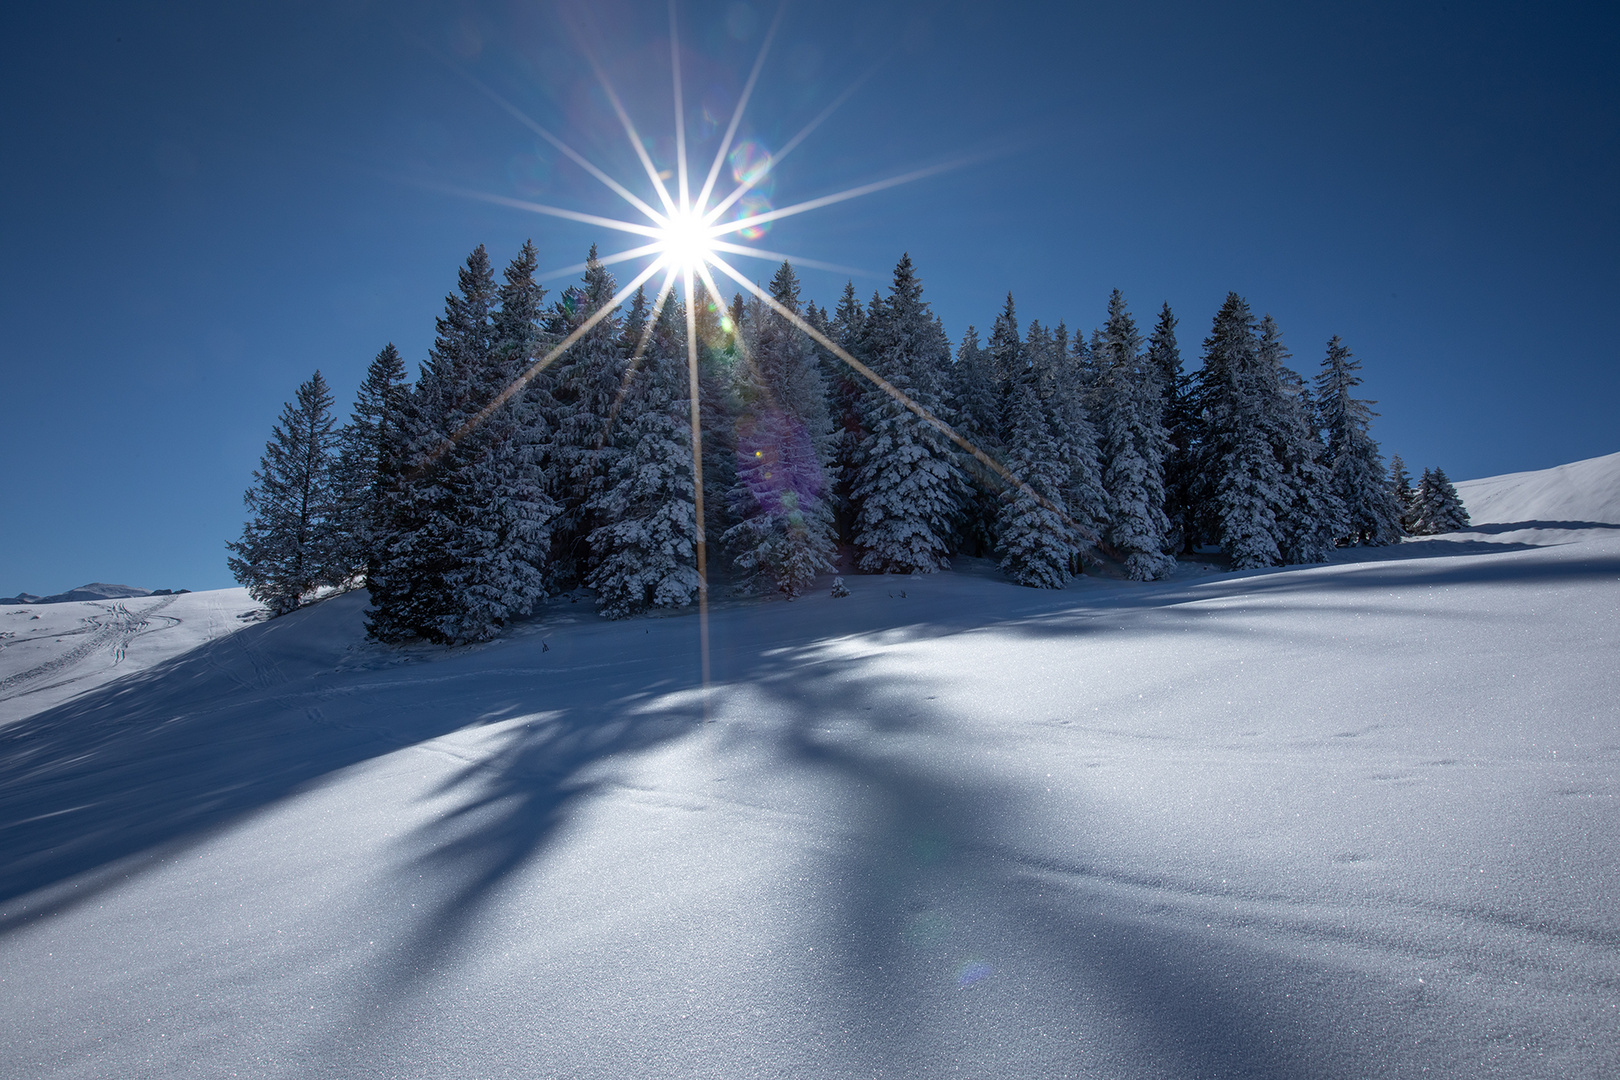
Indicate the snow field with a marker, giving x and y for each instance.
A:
(1351, 820)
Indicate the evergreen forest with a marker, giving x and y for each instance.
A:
(462, 499)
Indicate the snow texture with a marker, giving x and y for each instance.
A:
(1353, 820)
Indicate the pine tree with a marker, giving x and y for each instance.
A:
(1035, 539)
(1372, 513)
(784, 535)
(845, 391)
(1450, 513)
(976, 413)
(1436, 506)
(507, 514)
(288, 548)
(465, 517)
(1180, 425)
(718, 359)
(907, 487)
(1241, 488)
(1400, 489)
(645, 549)
(364, 446)
(1005, 352)
(1313, 518)
(1132, 445)
(589, 380)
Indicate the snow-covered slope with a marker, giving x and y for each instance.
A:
(1573, 496)
(1357, 820)
(53, 651)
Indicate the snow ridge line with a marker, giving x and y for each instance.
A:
(112, 631)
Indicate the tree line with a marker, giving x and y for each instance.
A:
(463, 499)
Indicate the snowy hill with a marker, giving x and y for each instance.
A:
(1352, 820)
(1576, 495)
(54, 649)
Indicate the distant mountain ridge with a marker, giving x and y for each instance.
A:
(96, 590)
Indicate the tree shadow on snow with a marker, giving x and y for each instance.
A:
(956, 950)
(116, 781)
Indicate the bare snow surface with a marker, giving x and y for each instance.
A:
(1356, 820)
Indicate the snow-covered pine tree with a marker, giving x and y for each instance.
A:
(1241, 488)
(717, 334)
(1180, 424)
(420, 547)
(907, 487)
(588, 381)
(976, 413)
(1400, 489)
(1372, 514)
(465, 516)
(506, 512)
(784, 534)
(1005, 353)
(1436, 506)
(1069, 415)
(289, 547)
(1035, 540)
(644, 552)
(1311, 522)
(1424, 506)
(1450, 514)
(1132, 446)
(845, 388)
(362, 464)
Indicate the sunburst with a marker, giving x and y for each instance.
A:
(684, 237)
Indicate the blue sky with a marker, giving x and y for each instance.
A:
(201, 206)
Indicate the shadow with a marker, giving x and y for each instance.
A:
(949, 942)
(1497, 527)
(124, 776)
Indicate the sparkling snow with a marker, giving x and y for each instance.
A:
(1353, 820)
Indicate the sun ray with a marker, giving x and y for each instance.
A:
(680, 111)
(523, 118)
(702, 551)
(540, 208)
(633, 135)
(517, 384)
(635, 358)
(605, 260)
(771, 162)
(742, 104)
(775, 256)
(837, 197)
(902, 397)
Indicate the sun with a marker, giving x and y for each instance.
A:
(686, 235)
(685, 241)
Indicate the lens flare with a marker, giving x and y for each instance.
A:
(685, 237)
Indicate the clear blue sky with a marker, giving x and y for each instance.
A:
(200, 204)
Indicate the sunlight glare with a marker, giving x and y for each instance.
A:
(686, 240)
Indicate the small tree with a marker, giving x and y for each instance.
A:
(1372, 513)
(1436, 506)
(1400, 489)
(288, 548)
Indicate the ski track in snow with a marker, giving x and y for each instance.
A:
(109, 633)
(1344, 821)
